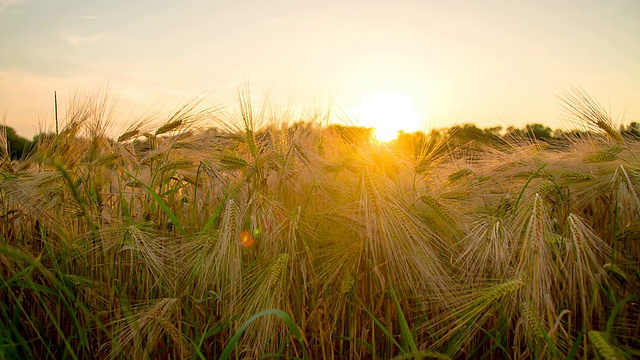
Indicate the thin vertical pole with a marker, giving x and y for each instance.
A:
(55, 105)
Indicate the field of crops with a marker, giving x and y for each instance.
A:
(265, 240)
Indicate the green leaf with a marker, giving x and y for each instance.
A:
(279, 313)
(163, 205)
(407, 337)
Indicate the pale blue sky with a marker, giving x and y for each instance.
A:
(488, 62)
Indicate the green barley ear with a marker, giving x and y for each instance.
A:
(603, 156)
(251, 141)
(108, 159)
(500, 290)
(230, 220)
(168, 127)
(555, 239)
(616, 149)
(603, 347)
(128, 135)
(616, 272)
(455, 195)
(348, 283)
(277, 270)
(575, 176)
(532, 324)
(460, 174)
(546, 188)
(174, 165)
(233, 161)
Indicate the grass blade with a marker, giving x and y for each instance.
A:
(163, 206)
(279, 313)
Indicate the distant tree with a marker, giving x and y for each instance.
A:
(513, 133)
(493, 132)
(44, 139)
(410, 143)
(631, 130)
(558, 133)
(465, 133)
(530, 131)
(538, 132)
(18, 146)
(352, 134)
(470, 133)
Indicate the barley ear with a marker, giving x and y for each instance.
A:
(603, 347)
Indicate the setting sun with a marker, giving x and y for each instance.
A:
(388, 113)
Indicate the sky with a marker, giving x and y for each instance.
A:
(407, 65)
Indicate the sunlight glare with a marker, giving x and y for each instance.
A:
(388, 113)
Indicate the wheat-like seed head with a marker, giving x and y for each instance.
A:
(575, 176)
(175, 164)
(168, 127)
(602, 345)
(347, 284)
(175, 334)
(276, 270)
(437, 207)
(532, 323)
(500, 290)
(128, 135)
(603, 156)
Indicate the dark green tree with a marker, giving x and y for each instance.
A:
(631, 130)
(538, 132)
(17, 145)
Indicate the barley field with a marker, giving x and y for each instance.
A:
(262, 239)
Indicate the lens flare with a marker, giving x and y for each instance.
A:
(245, 239)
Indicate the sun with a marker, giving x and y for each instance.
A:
(387, 113)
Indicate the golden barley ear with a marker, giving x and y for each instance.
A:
(176, 336)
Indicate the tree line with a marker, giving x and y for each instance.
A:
(459, 135)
